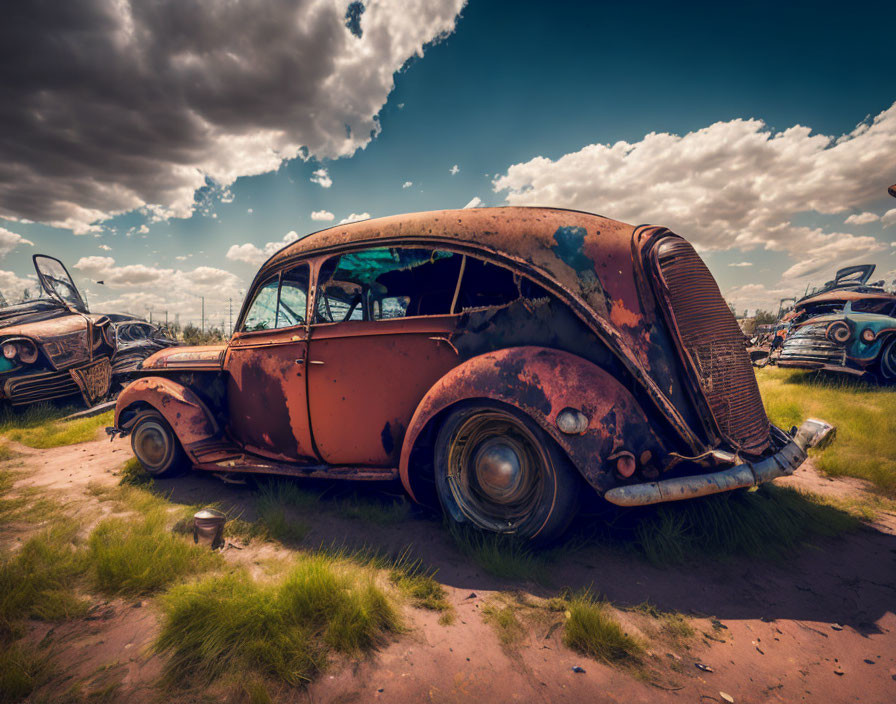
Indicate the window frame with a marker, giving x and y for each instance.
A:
(240, 330)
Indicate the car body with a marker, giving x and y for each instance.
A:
(849, 342)
(53, 347)
(503, 361)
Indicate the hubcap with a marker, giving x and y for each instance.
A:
(498, 471)
(151, 444)
(495, 470)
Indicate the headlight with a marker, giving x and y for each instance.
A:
(868, 335)
(22, 348)
(839, 332)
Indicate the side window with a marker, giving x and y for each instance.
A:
(262, 313)
(385, 283)
(486, 285)
(269, 313)
(293, 297)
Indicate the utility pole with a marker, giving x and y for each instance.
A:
(230, 320)
(166, 318)
(202, 321)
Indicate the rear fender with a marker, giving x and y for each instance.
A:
(184, 410)
(542, 382)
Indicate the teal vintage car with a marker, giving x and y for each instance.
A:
(852, 342)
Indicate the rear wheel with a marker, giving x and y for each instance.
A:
(499, 472)
(156, 446)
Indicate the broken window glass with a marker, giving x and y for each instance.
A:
(293, 297)
(384, 283)
(486, 285)
(262, 314)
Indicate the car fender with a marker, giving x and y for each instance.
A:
(184, 410)
(541, 382)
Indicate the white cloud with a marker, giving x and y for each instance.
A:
(453, 170)
(862, 218)
(251, 254)
(733, 184)
(182, 257)
(323, 215)
(105, 248)
(407, 184)
(355, 217)
(741, 264)
(10, 240)
(250, 210)
(13, 287)
(475, 203)
(321, 178)
(888, 218)
(137, 288)
(200, 91)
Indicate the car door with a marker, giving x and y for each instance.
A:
(378, 343)
(266, 367)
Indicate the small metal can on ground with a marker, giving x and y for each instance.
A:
(208, 527)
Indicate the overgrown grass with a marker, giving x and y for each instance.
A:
(503, 618)
(503, 556)
(286, 630)
(54, 433)
(767, 523)
(671, 623)
(22, 669)
(865, 416)
(592, 630)
(39, 581)
(140, 555)
(418, 583)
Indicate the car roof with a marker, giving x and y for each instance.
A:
(567, 245)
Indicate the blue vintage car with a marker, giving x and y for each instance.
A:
(857, 343)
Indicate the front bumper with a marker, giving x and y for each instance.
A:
(812, 433)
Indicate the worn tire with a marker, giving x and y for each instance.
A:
(496, 470)
(156, 446)
(886, 362)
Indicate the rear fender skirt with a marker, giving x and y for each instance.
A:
(542, 382)
(184, 410)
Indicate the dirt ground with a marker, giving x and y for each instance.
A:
(819, 627)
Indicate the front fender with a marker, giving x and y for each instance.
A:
(541, 382)
(184, 410)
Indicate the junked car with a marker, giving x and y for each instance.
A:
(501, 362)
(54, 348)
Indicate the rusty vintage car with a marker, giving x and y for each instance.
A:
(54, 348)
(501, 362)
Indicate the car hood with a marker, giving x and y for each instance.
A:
(204, 357)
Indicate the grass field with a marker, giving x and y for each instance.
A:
(41, 426)
(865, 417)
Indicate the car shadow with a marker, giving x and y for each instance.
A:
(839, 580)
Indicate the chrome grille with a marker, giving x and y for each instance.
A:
(810, 344)
(713, 344)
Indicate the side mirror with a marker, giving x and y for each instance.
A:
(892, 190)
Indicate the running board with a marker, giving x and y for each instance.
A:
(254, 465)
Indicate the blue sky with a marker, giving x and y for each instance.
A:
(519, 96)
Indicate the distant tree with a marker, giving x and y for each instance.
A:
(194, 336)
(764, 317)
(732, 308)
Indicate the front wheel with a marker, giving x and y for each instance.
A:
(498, 471)
(887, 362)
(156, 446)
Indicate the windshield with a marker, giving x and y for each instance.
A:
(55, 280)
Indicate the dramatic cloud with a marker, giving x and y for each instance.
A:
(321, 178)
(888, 219)
(355, 217)
(323, 215)
(733, 184)
(862, 218)
(250, 254)
(112, 105)
(10, 240)
(137, 289)
(13, 287)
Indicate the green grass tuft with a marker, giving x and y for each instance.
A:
(501, 555)
(419, 584)
(37, 581)
(21, 671)
(133, 474)
(283, 630)
(54, 433)
(767, 523)
(865, 417)
(504, 620)
(592, 630)
(140, 555)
